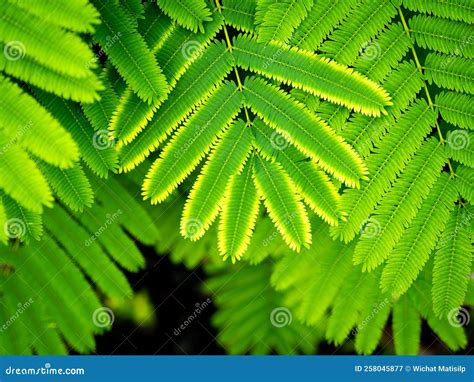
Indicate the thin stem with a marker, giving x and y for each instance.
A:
(427, 92)
(237, 75)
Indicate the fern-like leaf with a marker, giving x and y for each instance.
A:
(461, 10)
(384, 164)
(450, 72)
(413, 249)
(312, 184)
(406, 327)
(276, 20)
(75, 15)
(460, 146)
(128, 52)
(456, 108)
(444, 36)
(321, 20)
(452, 264)
(280, 198)
(239, 214)
(316, 75)
(292, 120)
(34, 128)
(205, 198)
(400, 205)
(70, 185)
(30, 191)
(191, 143)
(190, 91)
(188, 13)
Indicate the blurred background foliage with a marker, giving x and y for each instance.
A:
(92, 93)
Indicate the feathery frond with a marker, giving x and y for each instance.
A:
(188, 13)
(415, 245)
(452, 263)
(284, 206)
(316, 75)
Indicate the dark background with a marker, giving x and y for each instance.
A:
(173, 291)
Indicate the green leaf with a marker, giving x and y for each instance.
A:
(444, 36)
(71, 185)
(191, 143)
(283, 203)
(406, 327)
(309, 134)
(413, 250)
(453, 258)
(456, 108)
(31, 191)
(204, 201)
(239, 214)
(400, 205)
(450, 72)
(33, 127)
(188, 13)
(461, 10)
(128, 52)
(314, 74)
(191, 90)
